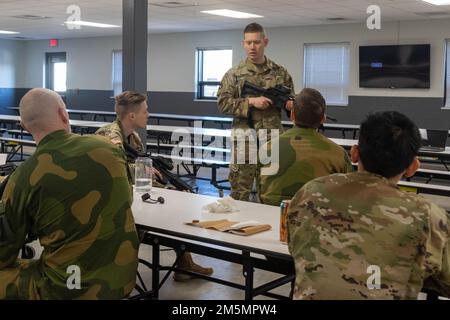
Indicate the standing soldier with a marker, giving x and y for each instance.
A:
(132, 113)
(251, 112)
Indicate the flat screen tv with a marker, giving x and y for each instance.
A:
(394, 66)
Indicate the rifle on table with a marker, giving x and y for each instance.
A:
(164, 166)
(279, 94)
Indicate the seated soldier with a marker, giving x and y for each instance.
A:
(305, 153)
(132, 114)
(73, 194)
(358, 236)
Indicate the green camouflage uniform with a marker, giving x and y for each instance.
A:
(73, 194)
(231, 102)
(114, 132)
(341, 224)
(305, 154)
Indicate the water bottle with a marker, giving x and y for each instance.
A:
(143, 175)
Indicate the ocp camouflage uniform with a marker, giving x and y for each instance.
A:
(73, 194)
(304, 155)
(115, 133)
(341, 225)
(231, 102)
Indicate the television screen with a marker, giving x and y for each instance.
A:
(394, 66)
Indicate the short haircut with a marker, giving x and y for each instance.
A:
(309, 108)
(388, 143)
(127, 102)
(254, 28)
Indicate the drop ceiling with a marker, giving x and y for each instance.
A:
(24, 16)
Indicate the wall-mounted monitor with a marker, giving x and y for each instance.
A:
(394, 66)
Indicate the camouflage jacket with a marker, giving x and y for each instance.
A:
(231, 102)
(305, 154)
(114, 132)
(350, 232)
(73, 194)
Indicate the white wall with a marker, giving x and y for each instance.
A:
(171, 62)
(89, 62)
(11, 63)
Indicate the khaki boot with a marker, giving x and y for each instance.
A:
(186, 263)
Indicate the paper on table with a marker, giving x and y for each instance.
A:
(241, 228)
(245, 224)
(224, 205)
(251, 230)
(219, 225)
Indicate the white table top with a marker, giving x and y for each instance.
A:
(189, 117)
(180, 207)
(6, 117)
(76, 123)
(106, 113)
(224, 133)
(190, 130)
(328, 125)
(87, 124)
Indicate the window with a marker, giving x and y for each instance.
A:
(212, 64)
(117, 72)
(56, 71)
(327, 70)
(447, 75)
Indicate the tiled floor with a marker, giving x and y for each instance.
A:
(198, 289)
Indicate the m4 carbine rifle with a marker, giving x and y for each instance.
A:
(164, 167)
(279, 94)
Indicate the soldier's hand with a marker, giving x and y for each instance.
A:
(157, 173)
(289, 105)
(260, 102)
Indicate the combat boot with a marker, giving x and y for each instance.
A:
(186, 263)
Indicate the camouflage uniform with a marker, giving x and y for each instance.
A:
(305, 154)
(231, 102)
(114, 132)
(341, 224)
(73, 194)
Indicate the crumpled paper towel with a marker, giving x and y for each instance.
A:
(223, 205)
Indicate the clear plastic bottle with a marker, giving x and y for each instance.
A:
(143, 175)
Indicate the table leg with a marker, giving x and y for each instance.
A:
(248, 274)
(155, 269)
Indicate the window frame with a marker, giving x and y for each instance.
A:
(200, 84)
(113, 71)
(49, 69)
(446, 105)
(341, 43)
